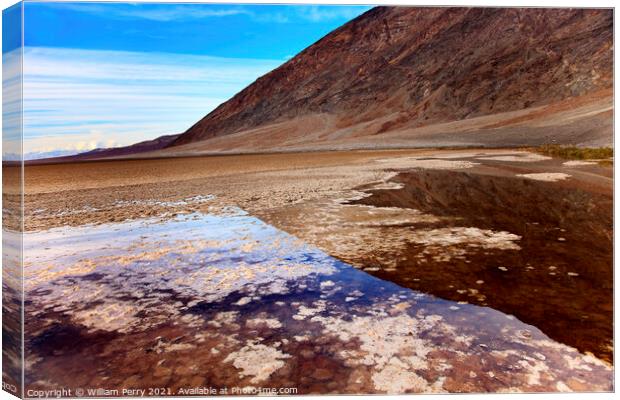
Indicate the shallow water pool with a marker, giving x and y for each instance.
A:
(228, 301)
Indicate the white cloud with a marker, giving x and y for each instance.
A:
(184, 12)
(153, 12)
(11, 103)
(83, 99)
(92, 140)
(329, 13)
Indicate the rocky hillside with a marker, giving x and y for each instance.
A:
(396, 68)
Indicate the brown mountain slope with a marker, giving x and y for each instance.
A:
(405, 69)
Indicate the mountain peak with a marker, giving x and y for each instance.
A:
(395, 68)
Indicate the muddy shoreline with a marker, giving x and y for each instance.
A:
(559, 279)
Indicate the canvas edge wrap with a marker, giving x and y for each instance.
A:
(13, 202)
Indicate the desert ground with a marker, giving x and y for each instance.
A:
(435, 270)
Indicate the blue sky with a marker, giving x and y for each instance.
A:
(110, 74)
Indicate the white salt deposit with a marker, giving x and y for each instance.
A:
(441, 164)
(517, 157)
(546, 176)
(578, 163)
(472, 236)
(257, 360)
(415, 162)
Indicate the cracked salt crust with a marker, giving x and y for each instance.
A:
(243, 301)
(416, 162)
(165, 347)
(270, 323)
(304, 312)
(111, 317)
(535, 370)
(350, 229)
(190, 201)
(200, 199)
(455, 155)
(387, 186)
(224, 318)
(546, 176)
(516, 157)
(578, 163)
(257, 360)
(561, 386)
(192, 320)
(391, 346)
(396, 378)
(471, 236)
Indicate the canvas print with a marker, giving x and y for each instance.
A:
(244, 199)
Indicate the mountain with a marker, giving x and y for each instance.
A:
(137, 148)
(400, 76)
(147, 145)
(35, 155)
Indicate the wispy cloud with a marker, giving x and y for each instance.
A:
(181, 12)
(153, 12)
(329, 13)
(11, 103)
(82, 99)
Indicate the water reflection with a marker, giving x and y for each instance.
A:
(227, 300)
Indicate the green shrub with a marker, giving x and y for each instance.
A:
(575, 153)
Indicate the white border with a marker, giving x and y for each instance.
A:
(486, 3)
